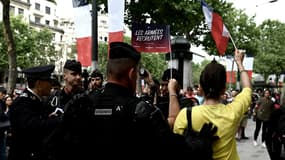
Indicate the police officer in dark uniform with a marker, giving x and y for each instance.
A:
(73, 85)
(29, 122)
(116, 123)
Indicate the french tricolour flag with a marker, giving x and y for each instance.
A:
(219, 31)
(83, 32)
(232, 70)
(116, 9)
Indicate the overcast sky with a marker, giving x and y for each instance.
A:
(262, 9)
(64, 8)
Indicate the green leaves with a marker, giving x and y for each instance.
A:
(31, 45)
(271, 48)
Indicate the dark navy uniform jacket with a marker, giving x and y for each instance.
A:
(29, 127)
(121, 119)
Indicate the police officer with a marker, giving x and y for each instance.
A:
(29, 122)
(72, 85)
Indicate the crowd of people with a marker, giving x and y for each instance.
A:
(100, 115)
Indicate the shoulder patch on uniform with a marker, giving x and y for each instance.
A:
(103, 112)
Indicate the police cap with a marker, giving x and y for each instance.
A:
(73, 65)
(39, 72)
(123, 50)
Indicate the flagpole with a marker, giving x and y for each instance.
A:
(232, 41)
(94, 48)
(171, 63)
(231, 76)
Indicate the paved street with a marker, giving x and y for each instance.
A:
(246, 149)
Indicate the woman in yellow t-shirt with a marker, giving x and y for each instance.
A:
(225, 117)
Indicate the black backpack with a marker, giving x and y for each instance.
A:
(205, 151)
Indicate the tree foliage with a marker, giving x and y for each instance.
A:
(32, 47)
(271, 48)
(154, 63)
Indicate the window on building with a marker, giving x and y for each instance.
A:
(12, 10)
(47, 10)
(103, 22)
(105, 39)
(55, 22)
(37, 20)
(37, 6)
(47, 22)
(21, 11)
(53, 35)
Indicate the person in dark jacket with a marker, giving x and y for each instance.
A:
(3, 124)
(95, 81)
(72, 75)
(29, 123)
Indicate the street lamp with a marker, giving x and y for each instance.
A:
(181, 55)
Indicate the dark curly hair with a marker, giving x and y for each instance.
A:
(96, 73)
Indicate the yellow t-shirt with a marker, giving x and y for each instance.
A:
(225, 117)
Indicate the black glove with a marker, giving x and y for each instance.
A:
(200, 143)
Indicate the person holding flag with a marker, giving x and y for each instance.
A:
(225, 117)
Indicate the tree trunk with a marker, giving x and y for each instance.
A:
(11, 50)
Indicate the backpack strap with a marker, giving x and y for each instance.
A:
(189, 117)
(188, 130)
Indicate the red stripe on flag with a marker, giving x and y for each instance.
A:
(84, 51)
(249, 72)
(217, 33)
(231, 77)
(115, 37)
